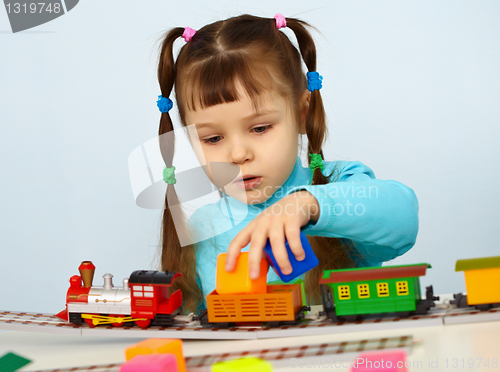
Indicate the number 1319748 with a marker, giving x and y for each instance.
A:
(33, 8)
(471, 362)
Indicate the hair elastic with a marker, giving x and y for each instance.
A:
(164, 104)
(314, 81)
(188, 33)
(169, 175)
(280, 20)
(316, 162)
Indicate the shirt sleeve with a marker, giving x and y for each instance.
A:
(379, 217)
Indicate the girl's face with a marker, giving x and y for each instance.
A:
(263, 143)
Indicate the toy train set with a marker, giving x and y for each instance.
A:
(347, 295)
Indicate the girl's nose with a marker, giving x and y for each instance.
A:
(240, 152)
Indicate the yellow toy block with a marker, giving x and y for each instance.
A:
(250, 364)
(238, 281)
(158, 346)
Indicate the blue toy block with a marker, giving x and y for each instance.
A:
(298, 267)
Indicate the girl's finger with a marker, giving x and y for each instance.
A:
(292, 233)
(240, 241)
(259, 238)
(277, 240)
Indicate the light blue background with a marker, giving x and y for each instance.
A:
(411, 88)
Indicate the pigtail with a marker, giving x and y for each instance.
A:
(174, 257)
(316, 128)
(332, 253)
(166, 78)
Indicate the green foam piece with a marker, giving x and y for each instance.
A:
(11, 362)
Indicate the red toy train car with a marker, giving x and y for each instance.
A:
(144, 298)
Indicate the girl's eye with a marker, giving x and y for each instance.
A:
(259, 130)
(262, 129)
(212, 140)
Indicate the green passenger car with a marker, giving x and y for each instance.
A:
(390, 289)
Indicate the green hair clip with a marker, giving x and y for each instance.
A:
(316, 162)
(169, 175)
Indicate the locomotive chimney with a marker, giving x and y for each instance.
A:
(108, 281)
(87, 269)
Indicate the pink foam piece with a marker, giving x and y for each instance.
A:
(380, 361)
(151, 363)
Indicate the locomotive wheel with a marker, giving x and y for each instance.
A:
(143, 323)
(90, 322)
(118, 324)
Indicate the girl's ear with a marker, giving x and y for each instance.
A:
(304, 102)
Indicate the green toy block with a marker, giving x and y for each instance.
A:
(11, 362)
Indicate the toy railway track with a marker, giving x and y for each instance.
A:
(185, 328)
(336, 351)
(32, 319)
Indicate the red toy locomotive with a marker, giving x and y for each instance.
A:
(144, 299)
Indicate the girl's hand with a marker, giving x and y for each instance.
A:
(281, 220)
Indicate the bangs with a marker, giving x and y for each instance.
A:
(217, 80)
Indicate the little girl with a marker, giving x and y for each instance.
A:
(240, 81)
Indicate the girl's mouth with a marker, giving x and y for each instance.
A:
(248, 183)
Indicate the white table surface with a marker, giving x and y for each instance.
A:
(440, 348)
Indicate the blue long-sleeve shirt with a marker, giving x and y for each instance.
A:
(379, 217)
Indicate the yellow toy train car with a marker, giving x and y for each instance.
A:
(482, 282)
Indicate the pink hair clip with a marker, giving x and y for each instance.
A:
(280, 20)
(188, 33)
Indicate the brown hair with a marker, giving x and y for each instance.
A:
(253, 51)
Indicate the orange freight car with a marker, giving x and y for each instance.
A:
(282, 304)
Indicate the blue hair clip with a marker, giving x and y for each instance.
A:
(314, 81)
(164, 104)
